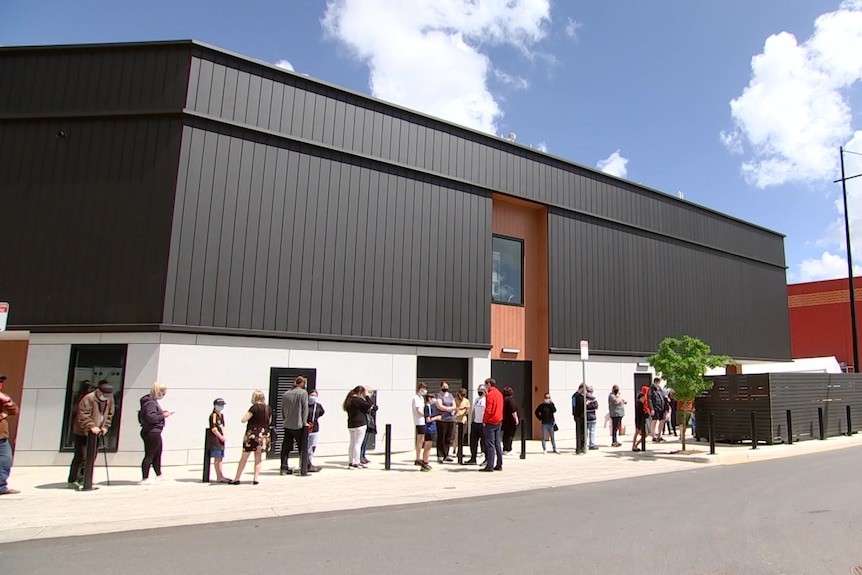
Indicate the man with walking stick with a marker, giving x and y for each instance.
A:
(94, 417)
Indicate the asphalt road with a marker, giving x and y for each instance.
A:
(801, 515)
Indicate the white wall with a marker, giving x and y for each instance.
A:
(566, 374)
(197, 369)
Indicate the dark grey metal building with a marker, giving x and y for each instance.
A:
(173, 186)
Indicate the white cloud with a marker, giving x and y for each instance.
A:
(427, 54)
(793, 114)
(615, 164)
(516, 82)
(572, 27)
(833, 262)
(542, 147)
(828, 266)
(285, 64)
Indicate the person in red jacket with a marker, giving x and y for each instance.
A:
(491, 425)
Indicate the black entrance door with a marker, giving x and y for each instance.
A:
(519, 376)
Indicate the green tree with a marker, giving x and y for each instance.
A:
(682, 363)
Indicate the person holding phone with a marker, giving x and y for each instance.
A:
(617, 411)
(153, 418)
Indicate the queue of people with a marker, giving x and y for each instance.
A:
(487, 426)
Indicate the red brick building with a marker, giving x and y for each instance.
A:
(820, 319)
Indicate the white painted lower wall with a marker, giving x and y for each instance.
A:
(602, 372)
(199, 368)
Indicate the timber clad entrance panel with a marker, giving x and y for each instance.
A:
(13, 361)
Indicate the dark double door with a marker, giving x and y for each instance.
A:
(519, 376)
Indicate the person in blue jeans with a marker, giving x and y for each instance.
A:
(545, 413)
(7, 408)
(592, 406)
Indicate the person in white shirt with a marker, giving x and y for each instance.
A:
(419, 421)
(476, 442)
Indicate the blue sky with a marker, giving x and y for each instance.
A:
(651, 80)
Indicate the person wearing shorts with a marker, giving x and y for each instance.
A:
(215, 439)
(432, 416)
(418, 411)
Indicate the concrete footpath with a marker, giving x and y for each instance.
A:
(48, 508)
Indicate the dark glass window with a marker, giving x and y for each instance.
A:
(89, 365)
(507, 270)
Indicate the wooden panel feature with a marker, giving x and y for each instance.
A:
(525, 328)
(13, 362)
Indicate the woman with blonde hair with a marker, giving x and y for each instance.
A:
(152, 418)
(256, 439)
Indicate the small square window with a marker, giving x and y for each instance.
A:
(507, 270)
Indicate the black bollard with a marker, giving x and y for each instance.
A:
(789, 429)
(388, 455)
(460, 427)
(90, 461)
(523, 440)
(303, 452)
(207, 458)
(849, 425)
(643, 434)
(711, 431)
(820, 422)
(753, 430)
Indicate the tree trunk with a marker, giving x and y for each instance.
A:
(682, 425)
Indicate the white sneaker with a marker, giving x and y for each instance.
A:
(148, 481)
(544, 452)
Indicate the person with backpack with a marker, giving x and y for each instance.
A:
(656, 409)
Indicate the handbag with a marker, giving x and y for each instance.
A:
(556, 428)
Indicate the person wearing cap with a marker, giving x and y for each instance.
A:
(95, 414)
(7, 408)
(215, 439)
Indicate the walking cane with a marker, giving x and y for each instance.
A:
(105, 453)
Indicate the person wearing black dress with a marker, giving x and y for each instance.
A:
(510, 418)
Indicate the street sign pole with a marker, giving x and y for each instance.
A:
(585, 355)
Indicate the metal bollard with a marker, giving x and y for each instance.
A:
(711, 431)
(643, 434)
(849, 424)
(388, 441)
(90, 461)
(460, 427)
(820, 422)
(753, 430)
(207, 458)
(789, 429)
(523, 440)
(303, 452)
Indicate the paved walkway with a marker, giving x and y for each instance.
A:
(47, 508)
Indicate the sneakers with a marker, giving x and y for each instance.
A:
(148, 481)
(544, 452)
(314, 468)
(448, 459)
(364, 461)
(594, 446)
(286, 472)
(418, 463)
(487, 470)
(426, 467)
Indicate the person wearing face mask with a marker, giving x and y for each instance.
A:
(419, 421)
(95, 414)
(153, 418)
(545, 413)
(446, 426)
(315, 412)
(476, 442)
(216, 439)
